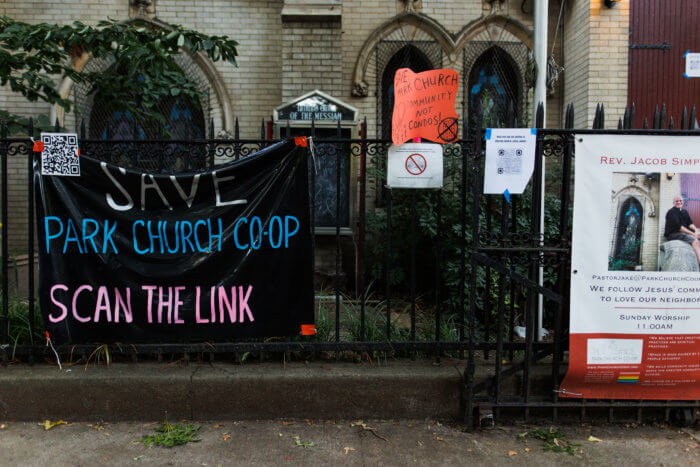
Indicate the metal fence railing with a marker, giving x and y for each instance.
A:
(398, 272)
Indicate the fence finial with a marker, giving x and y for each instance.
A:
(684, 119)
(662, 121)
(692, 122)
(511, 114)
(655, 119)
(633, 111)
(596, 116)
(539, 119)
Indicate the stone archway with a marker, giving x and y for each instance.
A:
(432, 28)
(220, 104)
(451, 44)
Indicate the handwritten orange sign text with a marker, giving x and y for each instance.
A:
(425, 106)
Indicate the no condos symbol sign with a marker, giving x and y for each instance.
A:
(415, 165)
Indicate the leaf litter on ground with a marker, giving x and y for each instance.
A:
(553, 439)
(169, 435)
(364, 426)
(48, 424)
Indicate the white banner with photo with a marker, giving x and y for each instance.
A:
(635, 272)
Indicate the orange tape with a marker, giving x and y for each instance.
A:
(38, 146)
(301, 141)
(308, 329)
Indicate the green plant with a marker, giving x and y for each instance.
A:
(626, 259)
(143, 68)
(375, 329)
(553, 439)
(449, 234)
(303, 444)
(101, 353)
(21, 329)
(168, 435)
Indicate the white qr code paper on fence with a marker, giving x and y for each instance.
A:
(60, 154)
(510, 159)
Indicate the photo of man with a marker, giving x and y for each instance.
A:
(679, 226)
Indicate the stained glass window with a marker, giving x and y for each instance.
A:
(492, 89)
(628, 242)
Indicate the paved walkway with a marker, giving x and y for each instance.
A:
(330, 442)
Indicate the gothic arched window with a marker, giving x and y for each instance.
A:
(411, 57)
(183, 120)
(493, 89)
(628, 235)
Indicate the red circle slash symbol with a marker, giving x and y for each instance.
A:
(416, 164)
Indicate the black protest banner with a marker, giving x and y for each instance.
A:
(126, 256)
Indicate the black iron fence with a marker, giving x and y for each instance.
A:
(449, 272)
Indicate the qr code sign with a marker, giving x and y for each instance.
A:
(60, 154)
(510, 161)
(692, 65)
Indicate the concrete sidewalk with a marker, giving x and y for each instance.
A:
(332, 442)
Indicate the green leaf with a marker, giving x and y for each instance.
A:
(181, 40)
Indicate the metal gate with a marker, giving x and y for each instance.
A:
(509, 253)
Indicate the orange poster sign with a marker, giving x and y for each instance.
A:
(424, 106)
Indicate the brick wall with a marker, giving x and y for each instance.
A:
(254, 85)
(596, 54)
(311, 58)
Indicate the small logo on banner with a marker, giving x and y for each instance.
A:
(59, 154)
(628, 378)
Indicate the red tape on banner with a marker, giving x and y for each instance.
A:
(38, 146)
(301, 141)
(308, 329)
